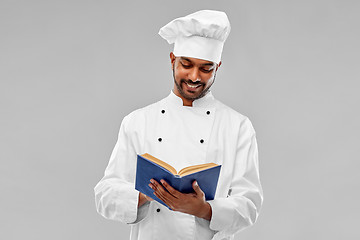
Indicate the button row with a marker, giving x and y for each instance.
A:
(201, 140)
(163, 111)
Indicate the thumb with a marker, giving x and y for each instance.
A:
(197, 189)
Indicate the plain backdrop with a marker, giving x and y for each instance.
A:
(71, 70)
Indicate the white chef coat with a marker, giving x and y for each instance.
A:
(183, 136)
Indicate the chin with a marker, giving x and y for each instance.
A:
(193, 96)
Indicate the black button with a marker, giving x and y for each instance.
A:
(158, 210)
(208, 112)
(163, 111)
(201, 140)
(160, 139)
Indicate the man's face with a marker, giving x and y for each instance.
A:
(192, 77)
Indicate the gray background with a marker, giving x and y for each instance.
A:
(71, 70)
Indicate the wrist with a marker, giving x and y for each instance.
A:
(206, 212)
(142, 199)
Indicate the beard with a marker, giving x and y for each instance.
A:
(191, 97)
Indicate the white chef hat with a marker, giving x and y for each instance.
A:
(199, 35)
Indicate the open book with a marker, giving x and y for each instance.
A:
(148, 167)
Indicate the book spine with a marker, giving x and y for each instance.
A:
(182, 183)
(177, 182)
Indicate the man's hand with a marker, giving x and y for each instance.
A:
(143, 199)
(191, 203)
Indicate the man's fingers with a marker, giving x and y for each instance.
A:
(160, 192)
(162, 198)
(170, 189)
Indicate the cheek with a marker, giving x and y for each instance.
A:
(179, 74)
(208, 79)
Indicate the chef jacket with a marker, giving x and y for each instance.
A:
(183, 136)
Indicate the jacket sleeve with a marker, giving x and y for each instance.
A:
(115, 194)
(241, 207)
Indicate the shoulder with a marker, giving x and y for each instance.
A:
(227, 112)
(138, 116)
(233, 117)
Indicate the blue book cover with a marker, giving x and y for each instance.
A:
(149, 167)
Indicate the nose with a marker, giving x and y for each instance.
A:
(194, 75)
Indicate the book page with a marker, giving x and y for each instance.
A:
(196, 168)
(160, 163)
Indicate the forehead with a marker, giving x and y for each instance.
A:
(197, 61)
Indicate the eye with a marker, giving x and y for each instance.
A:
(204, 70)
(186, 65)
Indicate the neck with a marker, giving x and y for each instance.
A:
(186, 102)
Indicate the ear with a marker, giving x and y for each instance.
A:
(218, 65)
(172, 59)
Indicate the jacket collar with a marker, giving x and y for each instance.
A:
(206, 101)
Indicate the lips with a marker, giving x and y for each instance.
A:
(192, 87)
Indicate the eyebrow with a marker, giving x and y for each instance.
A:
(203, 64)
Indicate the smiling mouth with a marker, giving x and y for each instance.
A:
(193, 86)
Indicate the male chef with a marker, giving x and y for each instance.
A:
(188, 127)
